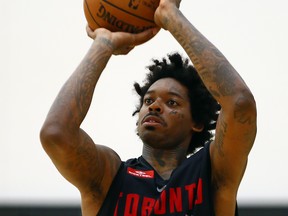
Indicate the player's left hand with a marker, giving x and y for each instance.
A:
(122, 42)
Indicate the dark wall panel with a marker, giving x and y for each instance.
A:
(75, 211)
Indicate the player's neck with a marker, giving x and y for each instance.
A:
(163, 161)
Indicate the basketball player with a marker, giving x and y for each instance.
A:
(178, 108)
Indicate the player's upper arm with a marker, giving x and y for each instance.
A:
(234, 138)
(88, 166)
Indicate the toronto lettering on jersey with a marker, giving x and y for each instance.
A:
(105, 15)
(171, 201)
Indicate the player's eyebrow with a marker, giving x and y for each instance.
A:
(173, 93)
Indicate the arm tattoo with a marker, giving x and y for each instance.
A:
(242, 114)
(216, 72)
(84, 85)
(220, 136)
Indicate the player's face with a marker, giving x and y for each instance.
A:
(165, 118)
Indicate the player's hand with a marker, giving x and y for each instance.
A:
(121, 43)
(163, 12)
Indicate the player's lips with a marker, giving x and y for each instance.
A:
(153, 120)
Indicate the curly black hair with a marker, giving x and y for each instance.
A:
(204, 108)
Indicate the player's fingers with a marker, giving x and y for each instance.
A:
(144, 36)
(90, 32)
(123, 51)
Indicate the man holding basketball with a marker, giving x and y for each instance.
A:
(163, 181)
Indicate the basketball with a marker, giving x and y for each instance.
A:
(132, 16)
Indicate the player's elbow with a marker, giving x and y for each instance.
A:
(50, 135)
(244, 107)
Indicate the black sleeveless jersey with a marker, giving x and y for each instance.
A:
(137, 189)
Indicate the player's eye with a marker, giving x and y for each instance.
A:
(148, 101)
(172, 103)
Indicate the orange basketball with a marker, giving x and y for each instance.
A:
(132, 16)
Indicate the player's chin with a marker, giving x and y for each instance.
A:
(150, 128)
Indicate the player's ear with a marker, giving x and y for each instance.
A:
(197, 127)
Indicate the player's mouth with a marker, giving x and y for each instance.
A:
(152, 120)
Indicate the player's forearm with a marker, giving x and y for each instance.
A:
(218, 75)
(74, 99)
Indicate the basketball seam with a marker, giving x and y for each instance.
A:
(148, 20)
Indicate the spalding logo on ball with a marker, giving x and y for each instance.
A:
(132, 16)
